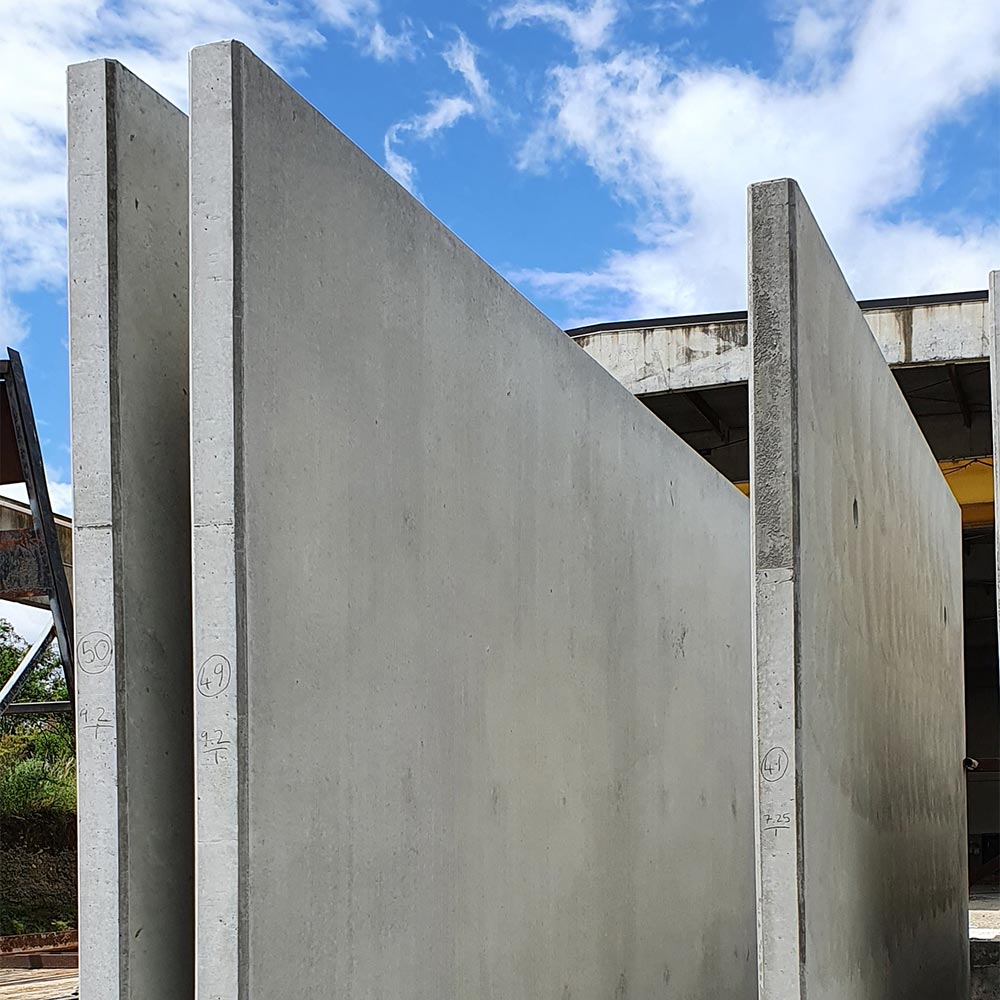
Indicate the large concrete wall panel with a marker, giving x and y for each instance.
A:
(472, 626)
(862, 876)
(128, 274)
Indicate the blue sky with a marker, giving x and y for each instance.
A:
(596, 153)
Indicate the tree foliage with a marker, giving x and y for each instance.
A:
(45, 683)
(37, 754)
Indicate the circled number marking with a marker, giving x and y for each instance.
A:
(94, 652)
(214, 676)
(774, 765)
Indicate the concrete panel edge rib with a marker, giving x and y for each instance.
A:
(854, 651)
(127, 223)
(772, 552)
(215, 72)
(305, 258)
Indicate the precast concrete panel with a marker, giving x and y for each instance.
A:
(472, 626)
(128, 304)
(860, 820)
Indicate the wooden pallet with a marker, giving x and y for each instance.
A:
(39, 984)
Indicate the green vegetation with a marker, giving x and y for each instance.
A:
(37, 802)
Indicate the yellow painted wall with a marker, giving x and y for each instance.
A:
(971, 480)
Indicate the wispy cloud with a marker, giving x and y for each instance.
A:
(443, 111)
(385, 46)
(442, 114)
(460, 56)
(587, 26)
(60, 493)
(13, 322)
(850, 115)
(40, 38)
(362, 18)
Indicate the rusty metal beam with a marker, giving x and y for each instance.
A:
(38, 708)
(960, 394)
(23, 670)
(30, 452)
(698, 401)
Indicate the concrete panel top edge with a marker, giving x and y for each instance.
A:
(231, 56)
(238, 48)
(81, 72)
(775, 182)
(83, 64)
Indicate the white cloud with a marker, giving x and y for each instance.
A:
(386, 47)
(347, 13)
(442, 112)
(60, 493)
(588, 27)
(13, 321)
(361, 18)
(28, 622)
(850, 117)
(460, 56)
(39, 39)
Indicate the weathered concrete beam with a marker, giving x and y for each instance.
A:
(860, 734)
(664, 355)
(128, 265)
(459, 735)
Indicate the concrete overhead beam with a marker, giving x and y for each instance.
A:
(458, 735)
(862, 869)
(128, 267)
(713, 350)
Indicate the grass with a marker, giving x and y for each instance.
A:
(36, 785)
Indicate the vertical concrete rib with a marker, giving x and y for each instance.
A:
(774, 483)
(216, 359)
(128, 306)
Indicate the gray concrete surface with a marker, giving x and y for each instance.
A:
(128, 265)
(472, 626)
(861, 870)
